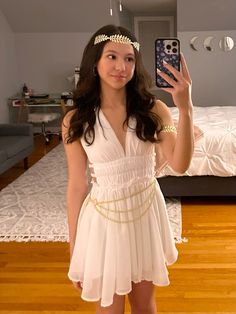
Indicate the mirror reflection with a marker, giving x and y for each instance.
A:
(226, 43)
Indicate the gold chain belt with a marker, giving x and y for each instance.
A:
(107, 212)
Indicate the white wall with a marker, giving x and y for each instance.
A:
(43, 60)
(8, 67)
(203, 15)
(126, 19)
(46, 59)
(213, 72)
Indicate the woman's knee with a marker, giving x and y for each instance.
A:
(141, 307)
(117, 307)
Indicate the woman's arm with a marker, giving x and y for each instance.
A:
(177, 148)
(77, 187)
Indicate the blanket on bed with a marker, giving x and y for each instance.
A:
(215, 143)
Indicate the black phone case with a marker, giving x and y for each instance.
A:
(167, 49)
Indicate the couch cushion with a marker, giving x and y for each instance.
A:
(3, 156)
(12, 145)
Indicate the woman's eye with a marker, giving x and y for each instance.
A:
(111, 56)
(130, 59)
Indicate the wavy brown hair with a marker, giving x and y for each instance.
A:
(86, 96)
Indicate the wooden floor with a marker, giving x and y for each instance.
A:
(33, 276)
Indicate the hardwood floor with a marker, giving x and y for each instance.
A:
(33, 276)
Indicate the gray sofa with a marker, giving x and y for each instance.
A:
(16, 144)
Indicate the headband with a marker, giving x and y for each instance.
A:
(120, 39)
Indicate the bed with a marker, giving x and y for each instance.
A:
(212, 171)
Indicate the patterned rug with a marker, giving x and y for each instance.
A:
(33, 207)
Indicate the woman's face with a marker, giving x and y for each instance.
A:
(116, 65)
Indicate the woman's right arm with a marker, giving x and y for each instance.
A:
(77, 187)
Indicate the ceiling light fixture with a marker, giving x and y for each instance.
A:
(111, 11)
(120, 6)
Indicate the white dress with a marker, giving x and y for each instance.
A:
(123, 232)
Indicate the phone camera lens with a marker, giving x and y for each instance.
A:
(168, 47)
(174, 43)
(174, 50)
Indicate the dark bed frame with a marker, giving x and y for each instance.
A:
(197, 186)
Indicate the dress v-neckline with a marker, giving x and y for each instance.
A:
(123, 148)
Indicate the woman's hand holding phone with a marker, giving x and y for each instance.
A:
(166, 49)
(172, 74)
(181, 86)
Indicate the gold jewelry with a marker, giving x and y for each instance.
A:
(107, 212)
(169, 129)
(123, 198)
(98, 206)
(120, 39)
(119, 212)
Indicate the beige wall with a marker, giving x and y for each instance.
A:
(8, 67)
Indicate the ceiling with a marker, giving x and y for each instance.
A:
(29, 16)
(153, 7)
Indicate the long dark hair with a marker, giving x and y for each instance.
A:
(86, 96)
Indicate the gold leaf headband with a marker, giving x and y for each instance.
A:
(120, 39)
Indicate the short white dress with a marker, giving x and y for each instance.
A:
(123, 231)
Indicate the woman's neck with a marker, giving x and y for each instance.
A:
(113, 99)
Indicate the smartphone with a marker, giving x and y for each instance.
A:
(167, 49)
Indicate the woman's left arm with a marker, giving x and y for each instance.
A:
(178, 149)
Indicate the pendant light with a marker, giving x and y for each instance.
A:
(120, 6)
(111, 11)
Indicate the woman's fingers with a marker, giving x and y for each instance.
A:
(181, 85)
(77, 285)
(177, 74)
(185, 70)
(178, 87)
(166, 77)
(184, 74)
(182, 78)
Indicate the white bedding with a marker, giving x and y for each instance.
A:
(215, 152)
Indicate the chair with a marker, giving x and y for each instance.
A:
(43, 119)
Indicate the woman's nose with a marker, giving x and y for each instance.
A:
(120, 65)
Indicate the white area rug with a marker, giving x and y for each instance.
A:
(33, 207)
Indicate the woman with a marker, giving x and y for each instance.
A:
(120, 237)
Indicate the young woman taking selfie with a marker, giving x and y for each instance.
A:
(120, 237)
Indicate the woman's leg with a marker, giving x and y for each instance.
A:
(142, 299)
(117, 307)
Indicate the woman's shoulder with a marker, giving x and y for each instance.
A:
(161, 109)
